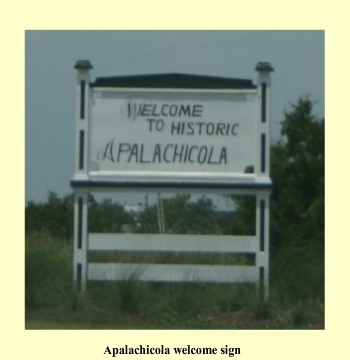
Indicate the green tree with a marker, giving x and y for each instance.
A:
(182, 216)
(243, 220)
(297, 206)
(55, 216)
(204, 219)
(297, 164)
(107, 216)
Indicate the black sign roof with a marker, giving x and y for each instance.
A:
(173, 81)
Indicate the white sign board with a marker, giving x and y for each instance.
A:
(172, 134)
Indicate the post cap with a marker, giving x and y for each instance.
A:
(83, 65)
(263, 66)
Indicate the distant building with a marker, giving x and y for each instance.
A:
(127, 228)
(135, 208)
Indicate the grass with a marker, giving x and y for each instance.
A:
(52, 303)
(47, 271)
(170, 319)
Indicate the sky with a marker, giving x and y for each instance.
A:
(298, 58)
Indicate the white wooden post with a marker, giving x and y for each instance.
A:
(263, 170)
(263, 133)
(80, 239)
(81, 173)
(82, 119)
(262, 244)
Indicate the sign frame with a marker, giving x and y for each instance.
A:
(256, 182)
